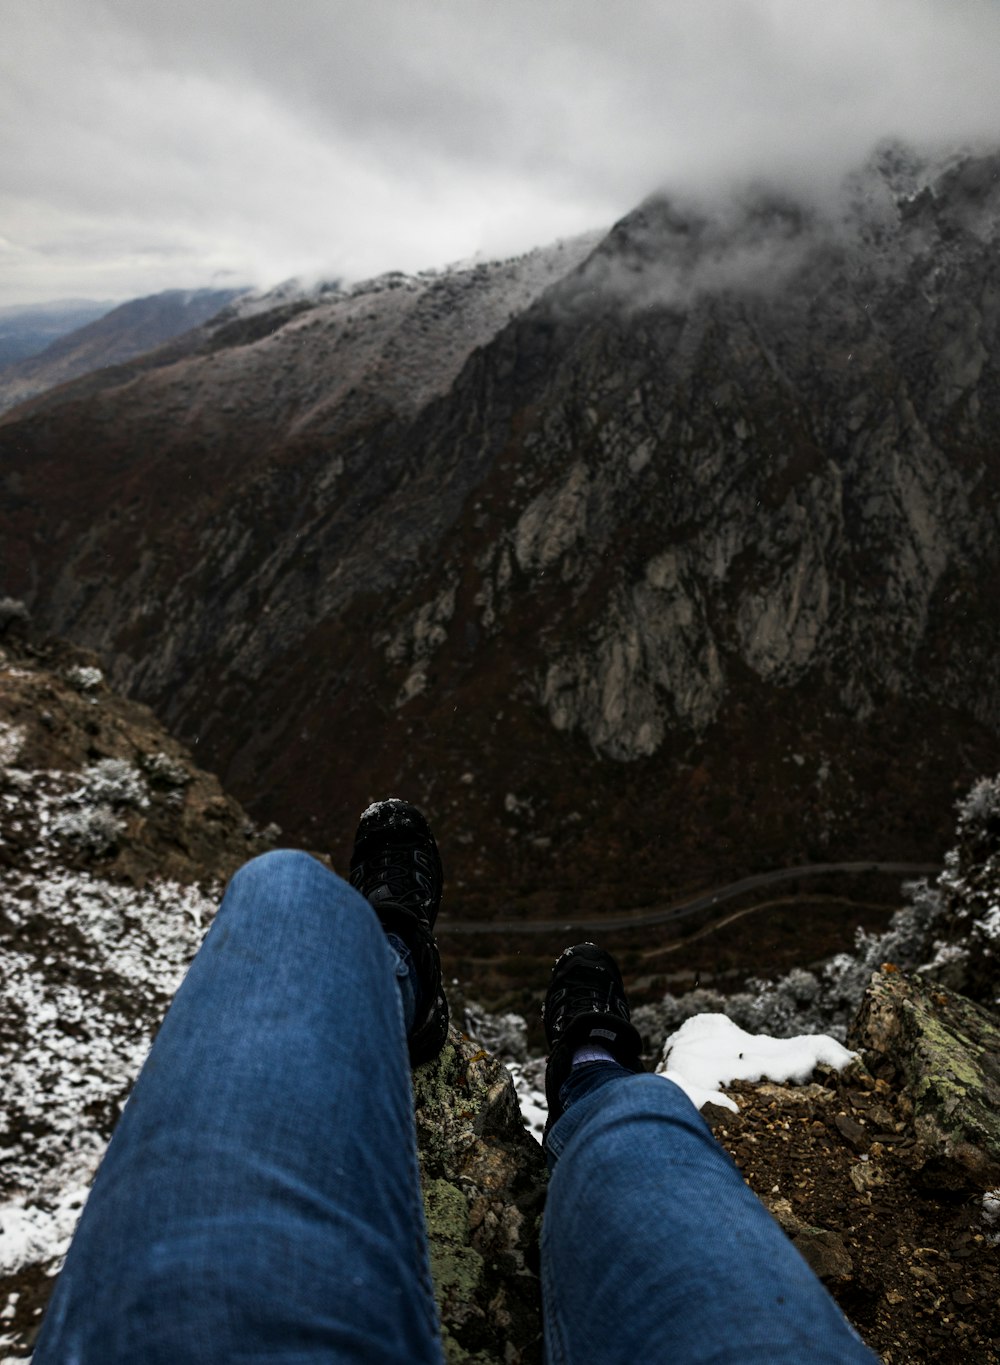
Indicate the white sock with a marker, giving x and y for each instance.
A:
(591, 1053)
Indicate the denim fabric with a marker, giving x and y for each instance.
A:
(654, 1249)
(260, 1197)
(406, 979)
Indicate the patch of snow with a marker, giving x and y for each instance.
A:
(11, 742)
(83, 678)
(87, 969)
(529, 1082)
(371, 811)
(40, 1231)
(709, 1051)
(991, 1215)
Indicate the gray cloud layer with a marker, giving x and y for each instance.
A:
(148, 144)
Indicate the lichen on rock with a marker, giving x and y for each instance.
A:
(483, 1178)
(946, 1050)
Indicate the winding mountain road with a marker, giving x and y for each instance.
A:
(638, 919)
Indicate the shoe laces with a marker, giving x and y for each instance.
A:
(403, 875)
(591, 990)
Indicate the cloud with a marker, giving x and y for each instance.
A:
(149, 145)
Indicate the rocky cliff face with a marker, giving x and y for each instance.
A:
(688, 567)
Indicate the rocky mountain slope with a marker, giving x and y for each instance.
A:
(683, 571)
(116, 335)
(114, 847)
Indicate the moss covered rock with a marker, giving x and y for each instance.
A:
(484, 1180)
(945, 1050)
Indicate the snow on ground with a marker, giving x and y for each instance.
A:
(402, 337)
(704, 1054)
(709, 1051)
(991, 1216)
(87, 968)
(529, 1082)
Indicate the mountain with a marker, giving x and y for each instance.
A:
(645, 565)
(107, 338)
(27, 329)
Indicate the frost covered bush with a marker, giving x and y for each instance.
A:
(164, 771)
(991, 1215)
(89, 817)
(949, 932)
(95, 829)
(113, 782)
(969, 944)
(979, 810)
(505, 1035)
(11, 742)
(83, 678)
(655, 1022)
(13, 613)
(804, 1001)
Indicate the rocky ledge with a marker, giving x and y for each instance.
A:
(114, 847)
(884, 1176)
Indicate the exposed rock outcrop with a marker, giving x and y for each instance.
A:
(484, 1187)
(945, 1052)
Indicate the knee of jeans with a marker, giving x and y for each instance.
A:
(647, 1105)
(285, 872)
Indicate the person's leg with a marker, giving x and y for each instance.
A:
(260, 1197)
(653, 1247)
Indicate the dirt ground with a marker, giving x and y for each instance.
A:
(838, 1165)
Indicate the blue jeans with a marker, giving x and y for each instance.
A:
(654, 1249)
(260, 1197)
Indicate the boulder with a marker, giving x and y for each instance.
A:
(484, 1181)
(824, 1250)
(945, 1051)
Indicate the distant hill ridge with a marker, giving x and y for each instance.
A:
(27, 329)
(109, 338)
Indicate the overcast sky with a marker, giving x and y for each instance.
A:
(149, 144)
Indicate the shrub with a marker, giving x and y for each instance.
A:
(92, 828)
(13, 614)
(11, 742)
(164, 771)
(84, 678)
(111, 782)
(89, 818)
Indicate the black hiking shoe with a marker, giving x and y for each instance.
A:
(397, 868)
(585, 1003)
